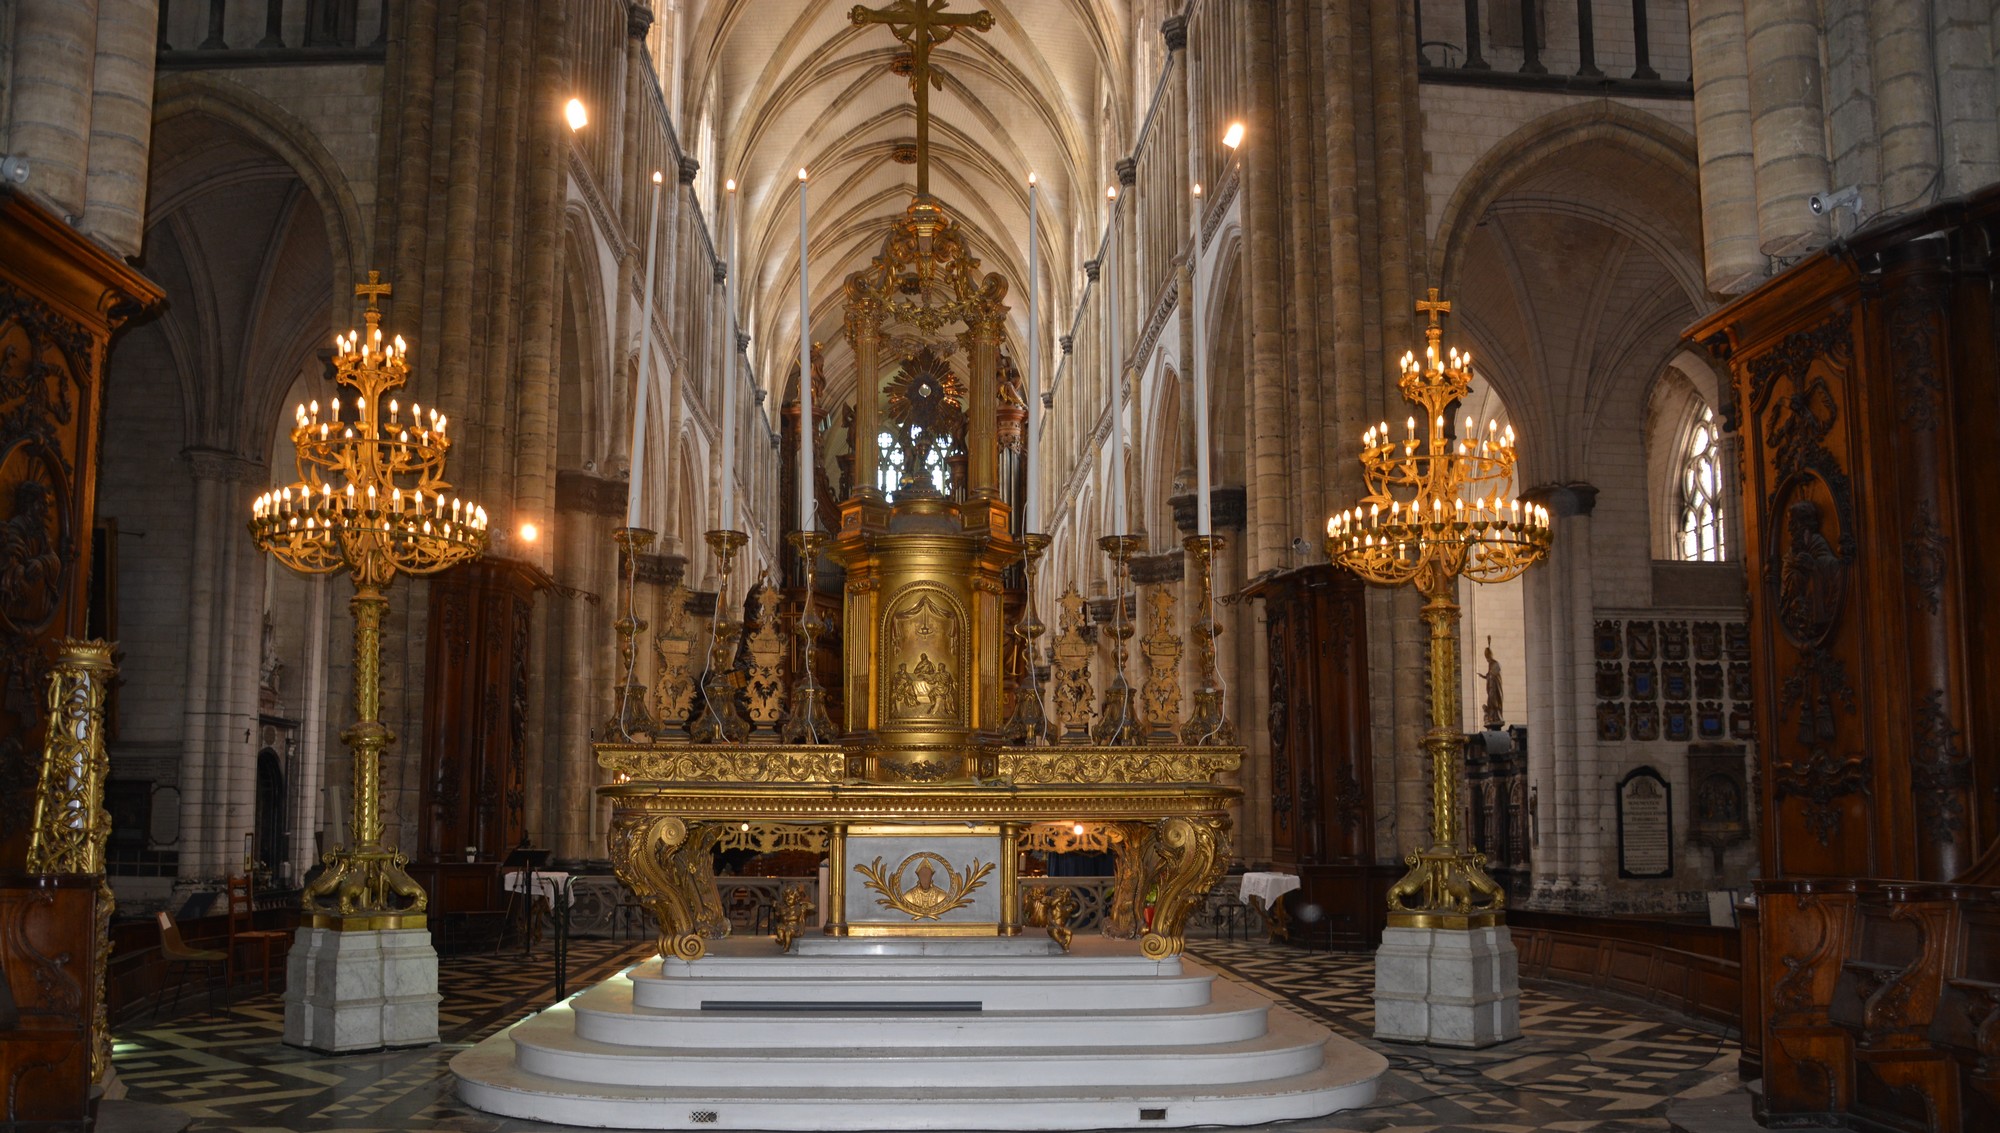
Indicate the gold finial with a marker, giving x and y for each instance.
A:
(1434, 306)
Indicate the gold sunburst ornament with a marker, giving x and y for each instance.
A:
(926, 900)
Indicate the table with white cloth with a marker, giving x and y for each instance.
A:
(1263, 893)
(547, 883)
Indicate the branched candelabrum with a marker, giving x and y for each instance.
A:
(719, 718)
(1029, 726)
(1434, 512)
(1119, 722)
(1208, 725)
(630, 720)
(808, 722)
(372, 500)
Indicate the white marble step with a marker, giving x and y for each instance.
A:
(489, 1079)
(549, 1045)
(606, 1014)
(739, 957)
(1079, 992)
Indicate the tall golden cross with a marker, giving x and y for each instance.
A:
(373, 290)
(921, 25)
(1434, 306)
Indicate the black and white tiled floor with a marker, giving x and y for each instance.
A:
(1585, 1064)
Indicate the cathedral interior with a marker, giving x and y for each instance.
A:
(1057, 353)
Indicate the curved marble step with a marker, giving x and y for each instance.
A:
(489, 1079)
(606, 1013)
(737, 957)
(548, 1045)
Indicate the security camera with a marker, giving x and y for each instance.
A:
(13, 169)
(1848, 198)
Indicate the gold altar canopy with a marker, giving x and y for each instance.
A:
(926, 801)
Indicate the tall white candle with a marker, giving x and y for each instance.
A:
(1204, 524)
(1117, 372)
(1031, 507)
(726, 479)
(806, 517)
(633, 509)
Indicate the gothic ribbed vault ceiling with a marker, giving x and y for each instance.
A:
(791, 83)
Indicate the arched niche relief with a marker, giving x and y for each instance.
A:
(928, 639)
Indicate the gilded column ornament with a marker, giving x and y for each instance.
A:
(673, 690)
(718, 717)
(1118, 720)
(370, 501)
(1029, 724)
(630, 719)
(808, 723)
(666, 862)
(71, 826)
(1189, 854)
(1160, 695)
(763, 681)
(1071, 671)
(1453, 523)
(1208, 722)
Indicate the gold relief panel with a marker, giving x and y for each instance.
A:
(924, 659)
(721, 764)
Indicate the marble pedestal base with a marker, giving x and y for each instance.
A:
(1447, 987)
(354, 991)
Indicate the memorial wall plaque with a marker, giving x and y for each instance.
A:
(1645, 825)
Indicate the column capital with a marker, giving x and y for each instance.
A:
(1127, 169)
(1174, 30)
(689, 169)
(1564, 500)
(638, 19)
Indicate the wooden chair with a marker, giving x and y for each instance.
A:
(181, 957)
(242, 931)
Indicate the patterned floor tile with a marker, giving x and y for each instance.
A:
(1584, 1064)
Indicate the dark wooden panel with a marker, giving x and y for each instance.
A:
(476, 710)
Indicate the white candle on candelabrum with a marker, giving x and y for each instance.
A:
(806, 477)
(1204, 523)
(1117, 375)
(1031, 507)
(633, 494)
(727, 476)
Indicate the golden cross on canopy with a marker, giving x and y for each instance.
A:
(921, 25)
(1434, 306)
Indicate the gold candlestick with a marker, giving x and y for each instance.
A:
(630, 721)
(1118, 723)
(720, 719)
(1029, 725)
(1429, 540)
(370, 501)
(808, 722)
(1208, 724)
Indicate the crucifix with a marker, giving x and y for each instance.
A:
(921, 25)
(1434, 306)
(373, 290)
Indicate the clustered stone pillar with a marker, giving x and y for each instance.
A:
(1728, 168)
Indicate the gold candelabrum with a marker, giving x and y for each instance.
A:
(1208, 724)
(719, 719)
(1434, 513)
(631, 720)
(372, 500)
(808, 722)
(1029, 724)
(1118, 723)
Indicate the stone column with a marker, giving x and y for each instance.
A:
(1723, 139)
(534, 447)
(1787, 124)
(121, 122)
(864, 336)
(1906, 90)
(1574, 818)
(54, 58)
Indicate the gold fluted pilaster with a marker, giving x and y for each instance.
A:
(864, 336)
(982, 442)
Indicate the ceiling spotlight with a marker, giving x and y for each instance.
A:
(577, 115)
(530, 533)
(1233, 137)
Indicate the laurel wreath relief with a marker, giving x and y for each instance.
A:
(926, 900)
